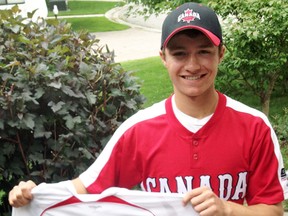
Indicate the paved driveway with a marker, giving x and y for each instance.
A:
(142, 40)
(131, 44)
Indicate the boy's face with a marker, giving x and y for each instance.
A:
(192, 63)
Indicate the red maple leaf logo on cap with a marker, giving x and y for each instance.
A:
(188, 16)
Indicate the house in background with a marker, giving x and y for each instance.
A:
(27, 6)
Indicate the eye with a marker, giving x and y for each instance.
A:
(179, 53)
(205, 51)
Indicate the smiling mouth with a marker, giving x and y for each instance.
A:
(193, 77)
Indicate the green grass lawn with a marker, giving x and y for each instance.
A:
(156, 84)
(91, 24)
(95, 24)
(87, 7)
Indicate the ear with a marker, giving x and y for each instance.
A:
(163, 57)
(222, 53)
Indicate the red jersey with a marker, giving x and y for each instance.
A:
(236, 154)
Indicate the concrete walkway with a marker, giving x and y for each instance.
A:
(142, 40)
(131, 44)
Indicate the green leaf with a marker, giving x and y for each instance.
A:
(70, 121)
(24, 39)
(8, 149)
(6, 76)
(39, 93)
(86, 153)
(91, 97)
(56, 84)
(116, 92)
(16, 28)
(26, 96)
(68, 90)
(41, 68)
(84, 68)
(20, 115)
(40, 132)
(56, 75)
(56, 107)
(28, 120)
(37, 157)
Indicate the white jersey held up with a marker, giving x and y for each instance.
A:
(61, 199)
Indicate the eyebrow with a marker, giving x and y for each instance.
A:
(180, 46)
(207, 45)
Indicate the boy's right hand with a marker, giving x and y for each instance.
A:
(21, 195)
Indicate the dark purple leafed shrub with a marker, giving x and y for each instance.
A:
(61, 98)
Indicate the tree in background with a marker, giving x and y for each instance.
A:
(256, 37)
(158, 6)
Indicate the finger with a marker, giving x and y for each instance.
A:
(194, 193)
(16, 197)
(211, 210)
(26, 189)
(206, 203)
(10, 198)
(202, 197)
(21, 194)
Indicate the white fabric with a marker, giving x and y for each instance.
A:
(60, 199)
(190, 123)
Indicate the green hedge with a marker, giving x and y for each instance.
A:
(61, 97)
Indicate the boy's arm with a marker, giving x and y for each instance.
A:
(256, 210)
(79, 186)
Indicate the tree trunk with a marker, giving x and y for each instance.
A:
(266, 96)
(265, 103)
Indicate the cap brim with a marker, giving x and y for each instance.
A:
(213, 38)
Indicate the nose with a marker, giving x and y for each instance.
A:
(192, 64)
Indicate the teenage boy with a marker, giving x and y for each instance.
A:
(219, 152)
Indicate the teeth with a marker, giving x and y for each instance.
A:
(192, 77)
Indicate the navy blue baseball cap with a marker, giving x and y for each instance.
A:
(192, 16)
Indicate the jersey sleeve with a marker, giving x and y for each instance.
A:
(44, 196)
(120, 163)
(266, 184)
(116, 166)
